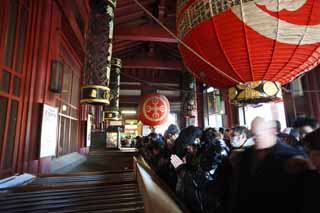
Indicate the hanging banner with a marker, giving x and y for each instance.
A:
(49, 131)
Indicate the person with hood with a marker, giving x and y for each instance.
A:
(185, 160)
(198, 168)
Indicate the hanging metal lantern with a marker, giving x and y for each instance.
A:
(153, 109)
(111, 112)
(262, 44)
(98, 53)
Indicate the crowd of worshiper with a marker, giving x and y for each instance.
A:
(240, 170)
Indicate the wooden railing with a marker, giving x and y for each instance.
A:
(157, 195)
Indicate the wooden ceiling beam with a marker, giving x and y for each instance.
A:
(135, 99)
(147, 32)
(127, 46)
(152, 64)
(129, 17)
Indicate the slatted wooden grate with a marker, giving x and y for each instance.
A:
(101, 192)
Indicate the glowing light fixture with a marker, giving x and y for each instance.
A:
(129, 112)
(64, 108)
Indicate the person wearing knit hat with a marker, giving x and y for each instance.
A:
(173, 129)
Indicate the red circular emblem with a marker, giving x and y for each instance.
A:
(154, 109)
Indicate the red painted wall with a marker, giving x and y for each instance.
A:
(51, 24)
(309, 103)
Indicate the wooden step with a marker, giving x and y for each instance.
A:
(80, 201)
(83, 178)
(113, 178)
(23, 191)
(106, 198)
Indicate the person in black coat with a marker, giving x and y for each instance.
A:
(267, 177)
(199, 171)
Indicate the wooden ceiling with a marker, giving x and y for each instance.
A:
(148, 52)
(135, 31)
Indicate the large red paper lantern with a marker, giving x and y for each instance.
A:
(154, 109)
(262, 44)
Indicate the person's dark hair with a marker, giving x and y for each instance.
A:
(209, 135)
(312, 140)
(242, 130)
(278, 126)
(153, 136)
(221, 130)
(294, 132)
(305, 121)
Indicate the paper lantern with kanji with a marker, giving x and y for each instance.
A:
(154, 109)
(261, 44)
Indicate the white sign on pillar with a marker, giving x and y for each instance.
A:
(49, 131)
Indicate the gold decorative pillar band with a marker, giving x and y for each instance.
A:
(111, 115)
(95, 94)
(254, 92)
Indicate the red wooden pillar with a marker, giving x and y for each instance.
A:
(43, 48)
(29, 134)
(229, 110)
(315, 87)
(312, 96)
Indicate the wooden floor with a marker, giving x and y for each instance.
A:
(106, 160)
(105, 183)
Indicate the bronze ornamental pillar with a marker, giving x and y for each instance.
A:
(95, 89)
(111, 112)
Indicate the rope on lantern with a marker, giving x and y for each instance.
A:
(184, 44)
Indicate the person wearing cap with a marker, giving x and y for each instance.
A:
(170, 135)
(266, 176)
